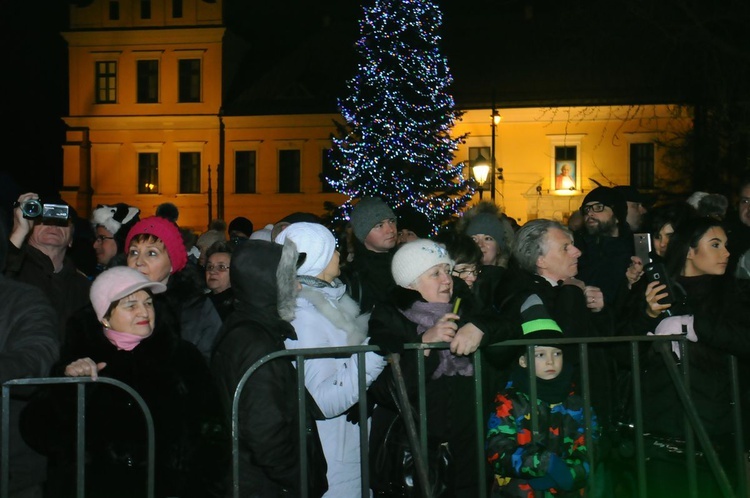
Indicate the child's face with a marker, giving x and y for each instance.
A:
(548, 362)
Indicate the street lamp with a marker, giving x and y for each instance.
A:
(495, 121)
(480, 169)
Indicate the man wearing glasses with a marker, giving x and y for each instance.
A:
(111, 224)
(606, 242)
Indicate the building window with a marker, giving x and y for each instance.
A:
(106, 82)
(642, 165)
(289, 171)
(148, 173)
(114, 10)
(566, 167)
(244, 171)
(176, 9)
(326, 171)
(190, 172)
(190, 80)
(148, 81)
(145, 9)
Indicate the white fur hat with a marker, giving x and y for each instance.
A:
(416, 257)
(313, 239)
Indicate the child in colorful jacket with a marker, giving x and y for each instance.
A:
(555, 462)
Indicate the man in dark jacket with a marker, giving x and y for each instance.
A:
(368, 278)
(28, 348)
(37, 255)
(264, 280)
(606, 243)
(546, 262)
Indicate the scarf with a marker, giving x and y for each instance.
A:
(123, 340)
(425, 315)
(551, 391)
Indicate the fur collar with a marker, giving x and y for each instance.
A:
(345, 315)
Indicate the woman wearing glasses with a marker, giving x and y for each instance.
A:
(218, 258)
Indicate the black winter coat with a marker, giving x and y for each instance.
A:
(269, 459)
(450, 399)
(192, 446)
(721, 312)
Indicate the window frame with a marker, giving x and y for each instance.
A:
(291, 181)
(105, 78)
(252, 173)
(186, 80)
(151, 79)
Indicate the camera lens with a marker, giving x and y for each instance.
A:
(31, 208)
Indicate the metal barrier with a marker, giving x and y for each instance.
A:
(678, 377)
(80, 428)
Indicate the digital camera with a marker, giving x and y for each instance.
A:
(34, 208)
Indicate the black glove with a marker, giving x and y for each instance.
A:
(352, 414)
(387, 344)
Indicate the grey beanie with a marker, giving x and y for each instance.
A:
(487, 224)
(368, 212)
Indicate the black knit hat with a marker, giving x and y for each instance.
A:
(410, 218)
(241, 224)
(610, 197)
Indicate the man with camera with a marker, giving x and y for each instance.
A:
(41, 235)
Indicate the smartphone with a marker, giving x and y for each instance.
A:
(642, 242)
(655, 272)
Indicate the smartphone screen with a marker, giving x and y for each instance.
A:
(642, 242)
(655, 272)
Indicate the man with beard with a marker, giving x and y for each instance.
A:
(606, 242)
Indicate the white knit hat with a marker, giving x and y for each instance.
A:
(313, 239)
(416, 257)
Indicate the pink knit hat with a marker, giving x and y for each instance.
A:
(118, 282)
(168, 233)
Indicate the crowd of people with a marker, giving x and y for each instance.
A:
(181, 316)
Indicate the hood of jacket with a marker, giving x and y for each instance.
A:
(264, 278)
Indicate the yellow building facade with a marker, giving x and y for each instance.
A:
(146, 126)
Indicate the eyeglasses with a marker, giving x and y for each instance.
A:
(597, 208)
(467, 272)
(101, 238)
(219, 268)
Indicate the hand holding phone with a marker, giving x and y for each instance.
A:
(642, 243)
(655, 272)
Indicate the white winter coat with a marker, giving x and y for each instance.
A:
(328, 317)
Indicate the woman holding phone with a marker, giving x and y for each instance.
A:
(711, 310)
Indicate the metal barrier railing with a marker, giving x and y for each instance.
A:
(678, 376)
(80, 428)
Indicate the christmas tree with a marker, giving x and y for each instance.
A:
(396, 143)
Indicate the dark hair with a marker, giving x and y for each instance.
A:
(461, 247)
(113, 305)
(687, 235)
(664, 214)
(220, 246)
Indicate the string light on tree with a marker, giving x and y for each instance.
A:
(396, 142)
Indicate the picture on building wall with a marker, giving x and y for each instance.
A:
(565, 175)
(565, 167)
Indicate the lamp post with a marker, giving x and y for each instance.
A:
(495, 120)
(480, 169)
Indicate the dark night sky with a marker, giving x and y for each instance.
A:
(33, 95)
(484, 40)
